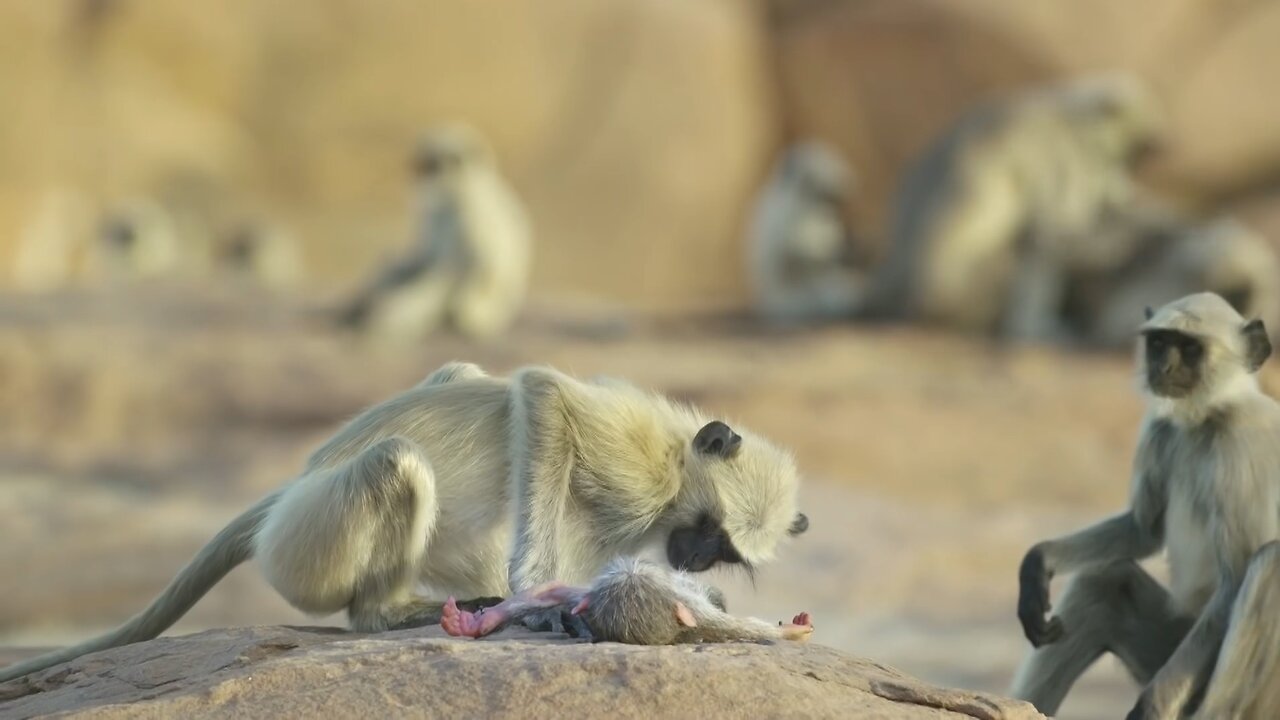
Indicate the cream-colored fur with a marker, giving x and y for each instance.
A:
(987, 218)
(471, 258)
(473, 486)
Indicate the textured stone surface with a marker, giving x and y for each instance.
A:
(273, 672)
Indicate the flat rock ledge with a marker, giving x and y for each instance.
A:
(297, 672)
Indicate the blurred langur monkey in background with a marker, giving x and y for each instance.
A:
(801, 255)
(987, 219)
(1164, 257)
(470, 260)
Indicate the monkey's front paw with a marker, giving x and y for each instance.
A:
(558, 619)
(1033, 601)
(800, 629)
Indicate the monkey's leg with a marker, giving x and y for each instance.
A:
(459, 622)
(354, 537)
(1117, 608)
(483, 307)
(1038, 286)
(1244, 684)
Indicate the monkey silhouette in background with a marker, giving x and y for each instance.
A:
(801, 255)
(986, 220)
(1161, 257)
(468, 267)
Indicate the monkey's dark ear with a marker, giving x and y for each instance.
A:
(799, 525)
(1257, 346)
(1148, 313)
(716, 438)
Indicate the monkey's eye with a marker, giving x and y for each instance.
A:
(1190, 351)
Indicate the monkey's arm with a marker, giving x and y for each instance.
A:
(1191, 665)
(721, 627)
(541, 465)
(1241, 530)
(1118, 538)
(1133, 535)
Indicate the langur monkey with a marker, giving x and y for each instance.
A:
(801, 253)
(479, 486)
(986, 218)
(261, 254)
(633, 601)
(1206, 486)
(1167, 258)
(141, 239)
(470, 262)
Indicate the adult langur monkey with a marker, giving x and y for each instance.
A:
(479, 487)
(986, 219)
(1206, 485)
(1164, 257)
(470, 263)
(801, 258)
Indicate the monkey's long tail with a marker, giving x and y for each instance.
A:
(230, 547)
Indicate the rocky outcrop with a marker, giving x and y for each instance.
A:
(882, 78)
(280, 672)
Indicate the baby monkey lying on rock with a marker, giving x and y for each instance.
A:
(633, 601)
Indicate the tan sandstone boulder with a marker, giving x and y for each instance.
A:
(280, 672)
(634, 131)
(882, 78)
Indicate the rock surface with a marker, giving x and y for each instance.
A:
(273, 672)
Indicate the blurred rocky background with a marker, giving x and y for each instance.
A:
(137, 419)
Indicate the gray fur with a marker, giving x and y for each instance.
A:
(801, 253)
(989, 218)
(635, 601)
(1206, 488)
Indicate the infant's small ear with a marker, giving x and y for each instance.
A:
(684, 616)
(1148, 313)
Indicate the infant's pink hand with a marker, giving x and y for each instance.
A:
(800, 629)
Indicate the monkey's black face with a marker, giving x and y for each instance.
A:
(700, 546)
(120, 234)
(1174, 362)
(431, 163)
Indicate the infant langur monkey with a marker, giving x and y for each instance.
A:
(633, 601)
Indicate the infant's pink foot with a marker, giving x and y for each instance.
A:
(458, 622)
(802, 619)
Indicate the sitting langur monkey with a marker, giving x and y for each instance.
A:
(985, 221)
(633, 601)
(801, 254)
(1206, 485)
(1170, 257)
(478, 486)
(469, 265)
